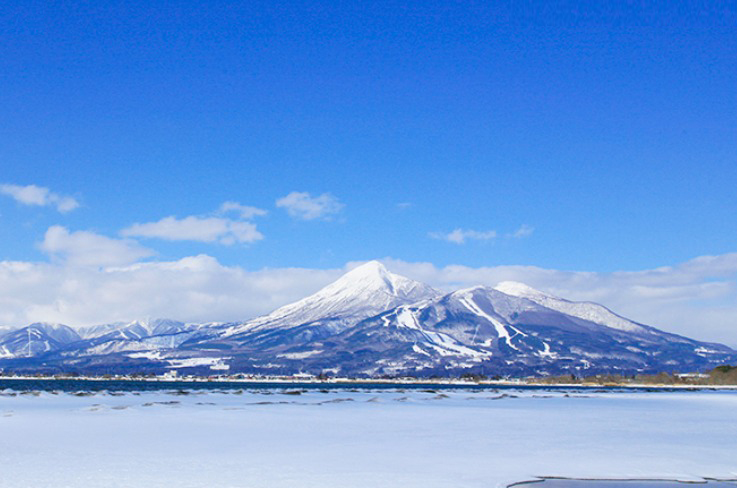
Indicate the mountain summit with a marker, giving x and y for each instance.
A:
(363, 292)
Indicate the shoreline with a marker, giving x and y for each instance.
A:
(683, 481)
(369, 382)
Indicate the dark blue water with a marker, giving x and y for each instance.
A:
(72, 385)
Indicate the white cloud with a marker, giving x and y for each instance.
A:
(193, 228)
(84, 248)
(460, 236)
(196, 289)
(244, 211)
(303, 206)
(40, 196)
(523, 231)
(204, 228)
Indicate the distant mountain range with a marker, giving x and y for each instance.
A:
(371, 322)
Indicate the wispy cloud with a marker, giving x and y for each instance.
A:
(523, 231)
(39, 196)
(303, 206)
(193, 228)
(460, 236)
(244, 211)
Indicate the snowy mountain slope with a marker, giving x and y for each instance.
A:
(136, 336)
(36, 339)
(4, 329)
(114, 345)
(55, 340)
(593, 312)
(135, 330)
(93, 331)
(486, 329)
(362, 292)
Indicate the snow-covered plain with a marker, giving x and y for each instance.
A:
(362, 438)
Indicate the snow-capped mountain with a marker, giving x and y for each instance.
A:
(44, 339)
(133, 337)
(487, 330)
(372, 322)
(363, 292)
(36, 339)
(135, 330)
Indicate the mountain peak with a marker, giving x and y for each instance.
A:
(368, 270)
(593, 312)
(521, 290)
(372, 266)
(370, 276)
(362, 292)
(48, 326)
(372, 284)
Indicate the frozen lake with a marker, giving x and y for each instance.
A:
(387, 437)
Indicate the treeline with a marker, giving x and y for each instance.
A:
(721, 375)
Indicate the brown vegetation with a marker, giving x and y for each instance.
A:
(721, 375)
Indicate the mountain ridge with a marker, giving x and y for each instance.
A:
(371, 322)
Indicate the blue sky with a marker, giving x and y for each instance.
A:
(563, 135)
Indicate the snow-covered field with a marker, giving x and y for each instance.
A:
(449, 439)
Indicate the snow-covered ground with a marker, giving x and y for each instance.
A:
(449, 439)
